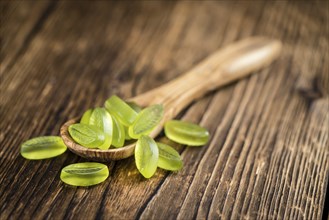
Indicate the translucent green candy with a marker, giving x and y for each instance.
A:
(118, 139)
(103, 120)
(146, 156)
(134, 106)
(169, 158)
(146, 121)
(86, 117)
(84, 174)
(137, 109)
(43, 147)
(121, 110)
(127, 137)
(186, 133)
(87, 135)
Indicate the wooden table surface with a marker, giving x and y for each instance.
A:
(268, 157)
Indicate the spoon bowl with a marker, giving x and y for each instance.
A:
(94, 154)
(224, 66)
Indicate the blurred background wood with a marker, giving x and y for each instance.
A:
(269, 152)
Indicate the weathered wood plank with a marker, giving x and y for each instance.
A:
(269, 152)
(20, 22)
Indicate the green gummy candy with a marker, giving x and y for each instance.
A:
(186, 133)
(146, 156)
(43, 147)
(86, 116)
(84, 174)
(134, 106)
(127, 137)
(88, 136)
(146, 121)
(169, 158)
(118, 138)
(121, 110)
(137, 109)
(103, 120)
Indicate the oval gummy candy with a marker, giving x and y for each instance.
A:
(103, 120)
(146, 121)
(146, 156)
(118, 138)
(186, 133)
(87, 135)
(121, 110)
(169, 158)
(84, 174)
(43, 147)
(86, 116)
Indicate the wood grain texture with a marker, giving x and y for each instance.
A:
(268, 157)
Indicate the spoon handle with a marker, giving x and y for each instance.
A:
(222, 67)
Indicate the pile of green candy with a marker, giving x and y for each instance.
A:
(110, 127)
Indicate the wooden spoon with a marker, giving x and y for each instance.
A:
(222, 67)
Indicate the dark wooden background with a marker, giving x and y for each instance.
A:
(268, 157)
